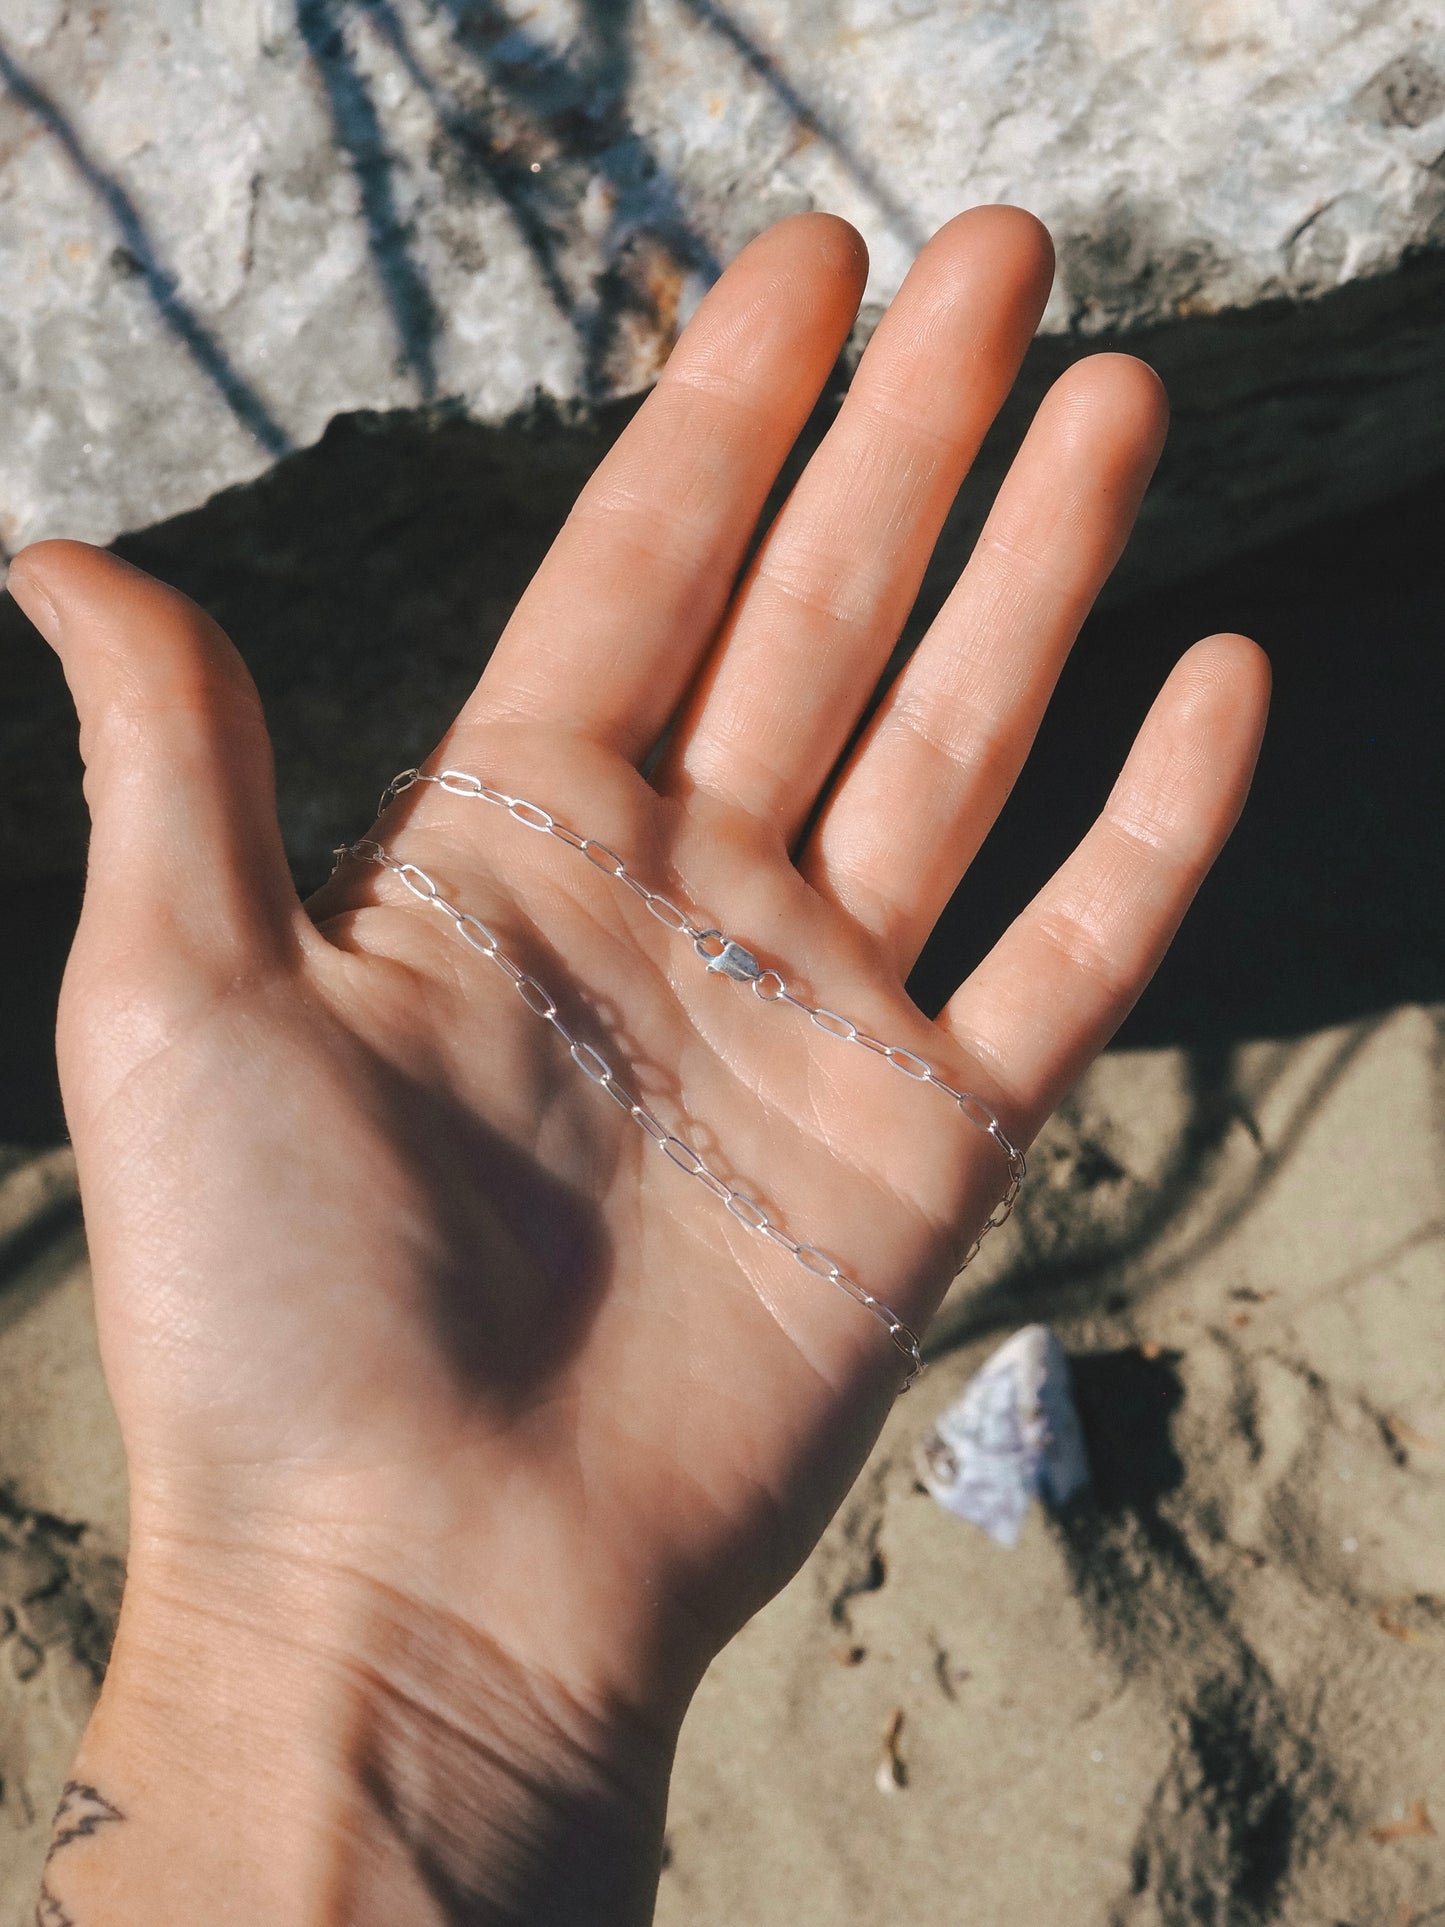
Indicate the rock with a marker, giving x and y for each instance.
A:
(462, 242)
(224, 223)
(1010, 1437)
(329, 308)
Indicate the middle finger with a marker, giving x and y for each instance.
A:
(829, 590)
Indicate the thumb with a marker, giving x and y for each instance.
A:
(178, 770)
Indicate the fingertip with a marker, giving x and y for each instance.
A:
(29, 582)
(1016, 241)
(127, 641)
(982, 282)
(1131, 371)
(67, 568)
(1231, 666)
(805, 273)
(81, 581)
(837, 243)
(812, 242)
(178, 763)
(1236, 654)
(38, 559)
(1119, 390)
(1002, 220)
(1208, 723)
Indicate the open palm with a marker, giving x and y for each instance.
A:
(379, 1273)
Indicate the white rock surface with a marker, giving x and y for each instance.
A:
(224, 222)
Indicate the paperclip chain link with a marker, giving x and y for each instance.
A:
(725, 956)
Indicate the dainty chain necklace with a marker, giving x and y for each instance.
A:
(723, 956)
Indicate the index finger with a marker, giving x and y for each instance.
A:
(615, 622)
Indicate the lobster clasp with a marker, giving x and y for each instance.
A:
(729, 959)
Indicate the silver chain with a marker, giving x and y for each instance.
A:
(724, 956)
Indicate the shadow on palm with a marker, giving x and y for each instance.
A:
(825, 1146)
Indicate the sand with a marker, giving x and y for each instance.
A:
(1213, 1692)
(1204, 1695)
(62, 1508)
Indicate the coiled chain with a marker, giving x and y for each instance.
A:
(724, 956)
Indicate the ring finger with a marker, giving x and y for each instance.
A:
(922, 789)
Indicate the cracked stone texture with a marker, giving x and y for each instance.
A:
(327, 311)
(223, 223)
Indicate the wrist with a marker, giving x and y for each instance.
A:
(299, 1745)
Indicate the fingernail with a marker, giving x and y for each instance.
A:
(36, 604)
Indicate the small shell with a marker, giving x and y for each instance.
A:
(1011, 1436)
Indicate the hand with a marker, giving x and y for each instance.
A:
(438, 1384)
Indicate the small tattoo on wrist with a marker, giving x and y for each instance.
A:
(82, 1810)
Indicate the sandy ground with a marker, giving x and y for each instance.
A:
(1214, 1692)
